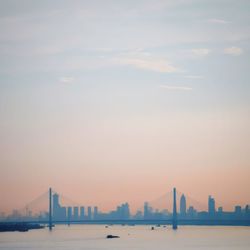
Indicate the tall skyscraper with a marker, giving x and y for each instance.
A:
(183, 206)
(81, 213)
(76, 213)
(95, 213)
(126, 212)
(69, 214)
(89, 213)
(146, 210)
(55, 202)
(211, 205)
(58, 212)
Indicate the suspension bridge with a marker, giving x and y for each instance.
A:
(51, 208)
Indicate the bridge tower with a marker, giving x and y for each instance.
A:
(50, 209)
(174, 223)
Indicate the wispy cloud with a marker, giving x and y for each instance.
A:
(66, 79)
(185, 88)
(234, 51)
(217, 21)
(146, 61)
(159, 65)
(201, 52)
(194, 77)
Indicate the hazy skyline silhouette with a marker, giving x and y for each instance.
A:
(177, 209)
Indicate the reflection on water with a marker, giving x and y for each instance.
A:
(93, 237)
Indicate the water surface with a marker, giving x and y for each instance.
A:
(92, 237)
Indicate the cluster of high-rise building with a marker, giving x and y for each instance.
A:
(149, 213)
(122, 212)
(212, 212)
(60, 213)
(190, 213)
(75, 213)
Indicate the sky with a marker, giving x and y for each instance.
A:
(114, 101)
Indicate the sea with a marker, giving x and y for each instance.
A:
(141, 237)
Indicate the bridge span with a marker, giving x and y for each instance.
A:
(133, 222)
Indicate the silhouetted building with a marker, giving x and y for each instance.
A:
(76, 213)
(89, 213)
(211, 206)
(146, 210)
(82, 213)
(95, 213)
(220, 209)
(138, 215)
(191, 212)
(58, 212)
(247, 210)
(125, 213)
(183, 205)
(237, 210)
(69, 213)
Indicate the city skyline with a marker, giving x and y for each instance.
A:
(181, 211)
(112, 201)
(113, 101)
(64, 205)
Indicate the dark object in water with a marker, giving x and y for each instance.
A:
(18, 226)
(110, 236)
(152, 228)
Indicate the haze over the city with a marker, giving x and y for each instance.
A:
(120, 101)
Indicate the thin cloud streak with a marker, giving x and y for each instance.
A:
(148, 63)
(185, 88)
(201, 52)
(194, 77)
(234, 51)
(217, 21)
(67, 79)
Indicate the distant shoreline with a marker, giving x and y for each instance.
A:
(18, 226)
(162, 222)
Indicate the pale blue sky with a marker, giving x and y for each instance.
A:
(92, 86)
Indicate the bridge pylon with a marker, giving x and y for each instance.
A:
(174, 222)
(50, 209)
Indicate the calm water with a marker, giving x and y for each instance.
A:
(92, 237)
